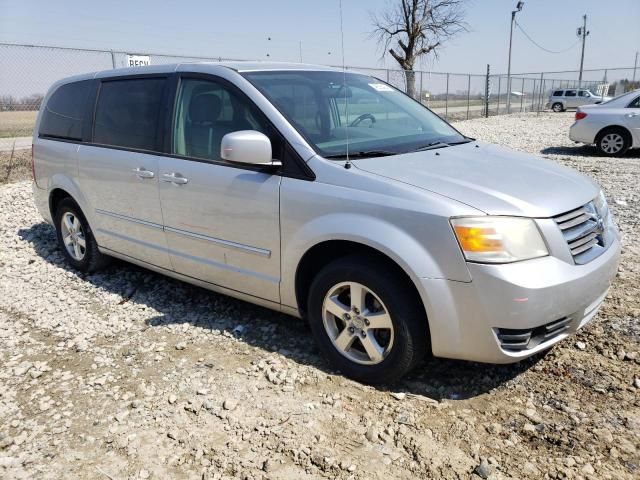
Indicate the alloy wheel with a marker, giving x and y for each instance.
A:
(73, 236)
(358, 323)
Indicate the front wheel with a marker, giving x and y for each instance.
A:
(367, 319)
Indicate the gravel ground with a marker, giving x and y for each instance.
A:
(127, 374)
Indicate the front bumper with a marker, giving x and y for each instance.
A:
(465, 319)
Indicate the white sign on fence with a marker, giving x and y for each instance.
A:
(138, 60)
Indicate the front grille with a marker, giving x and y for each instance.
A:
(524, 339)
(583, 229)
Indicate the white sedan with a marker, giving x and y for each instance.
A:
(613, 126)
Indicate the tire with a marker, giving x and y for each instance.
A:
(613, 142)
(400, 339)
(76, 239)
(557, 107)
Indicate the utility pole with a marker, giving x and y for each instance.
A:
(582, 32)
(519, 6)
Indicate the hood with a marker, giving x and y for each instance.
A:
(490, 178)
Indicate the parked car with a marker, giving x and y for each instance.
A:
(392, 233)
(563, 99)
(614, 126)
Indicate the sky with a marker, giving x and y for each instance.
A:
(241, 29)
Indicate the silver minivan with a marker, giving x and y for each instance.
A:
(330, 196)
(561, 100)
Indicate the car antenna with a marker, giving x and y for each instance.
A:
(347, 164)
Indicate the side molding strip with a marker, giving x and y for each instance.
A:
(218, 241)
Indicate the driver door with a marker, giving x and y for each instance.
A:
(221, 220)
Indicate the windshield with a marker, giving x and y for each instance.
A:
(620, 100)
(333, 109)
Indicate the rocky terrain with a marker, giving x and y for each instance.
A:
(125, 374)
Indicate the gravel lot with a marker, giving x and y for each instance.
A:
(127, 374)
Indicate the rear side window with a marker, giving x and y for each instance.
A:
(570, 93)
(635, 103)
(128, 113)
(63, 114)
(558, 93)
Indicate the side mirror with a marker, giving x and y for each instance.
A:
(248, 147)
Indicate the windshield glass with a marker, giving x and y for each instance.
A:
(621, 99)
(332, 108)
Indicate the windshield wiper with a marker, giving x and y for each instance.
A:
(362, 154)
(439, 144)
(431, 146)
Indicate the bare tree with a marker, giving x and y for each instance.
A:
(419, 27)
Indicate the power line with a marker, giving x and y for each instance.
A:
(540, 46)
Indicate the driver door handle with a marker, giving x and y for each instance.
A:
(142, 172)
(631, 115)
(175, 178)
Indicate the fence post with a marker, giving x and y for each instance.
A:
(468, 94)
(421, 87)
(522, 96)
(113, 59)
(533, 95)
(446, 100)
(487, 92)
(541, 92)
(498, 96)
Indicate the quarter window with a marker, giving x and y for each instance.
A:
(128, 113)
(206, 111)
(63, 114)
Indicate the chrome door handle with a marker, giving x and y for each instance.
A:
(631, 115)
(175, 178)
(142, 172)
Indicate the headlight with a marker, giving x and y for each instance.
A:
(600, 203)
(498, 239)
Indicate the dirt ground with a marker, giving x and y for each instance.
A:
(125, 374)
(15, 166)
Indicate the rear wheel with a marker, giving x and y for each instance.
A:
(613, 142)
(557, 107)
(75, 238)
(367, 320)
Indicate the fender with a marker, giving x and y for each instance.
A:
(405, 250)
(63, 182)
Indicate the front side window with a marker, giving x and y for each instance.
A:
(205, 112)
(345, 112)
(63, 115)
(584, 93)
(128, 113)
(570, 93)
(635, 103)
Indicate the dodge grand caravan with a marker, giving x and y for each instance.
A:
(329, 196)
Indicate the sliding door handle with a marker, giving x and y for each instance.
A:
(142, 172)
(175, 178)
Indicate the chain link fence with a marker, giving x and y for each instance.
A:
(27, 71)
